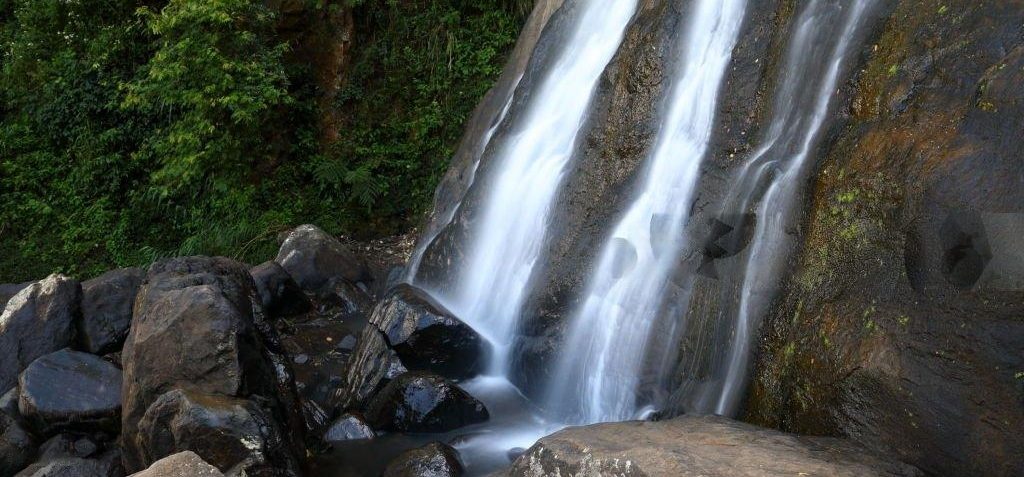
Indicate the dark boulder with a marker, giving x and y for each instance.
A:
(427, 336)
(68, 446)
(182, 464)
(38, 320)
(348, 427)
(107, 303)
(279, 293)
(229, 433)
(71, 390)
(17, 449)
(418, 401)
(340, 295)
(432, 460)
(698, 446)
(9, 403)
(371, 366)
(107, 464)
(312, 257)
(199, 324)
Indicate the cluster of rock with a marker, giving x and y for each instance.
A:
(205, 366)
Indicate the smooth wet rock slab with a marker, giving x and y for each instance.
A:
(423, 402)
(182, 464)
(429, 337)
(38, 320)
(348, 427)
(699, 447)
(372, 365)
(71, 390)
(432, 460)
(312, 257)
(17, 449)
(107, 303)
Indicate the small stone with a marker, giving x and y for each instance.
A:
(347, 428)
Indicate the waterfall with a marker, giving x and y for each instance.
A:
(813, 64)
(529, 163)
(598, 376)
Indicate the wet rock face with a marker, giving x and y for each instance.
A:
(17, 448)
(347, 428)
(429, 337)
(423, 402)
(182, 464)
(279, 293)
(107, 310)
(372, 365)
(312, 257)
(698, 446)
(889, 331)
(38, 320)
(206, 309)
(229, 433)
(432, 460)
(71, 390)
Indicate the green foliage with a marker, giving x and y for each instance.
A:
(135, 129)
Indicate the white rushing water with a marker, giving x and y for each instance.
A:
(602, 361)
(785, 157)
(530, 161)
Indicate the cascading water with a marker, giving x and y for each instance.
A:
(530, 162)
(784, 160)
(599, 373)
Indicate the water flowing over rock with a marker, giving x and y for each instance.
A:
(432, 460)
(427, 336)
(208, 310)
(107, 303)
(38, 320)
(424, 402)
(69, 390)
(698, 447)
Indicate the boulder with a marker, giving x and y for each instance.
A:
(182, 464)
(312, 257)
(427, 336)
(698, 446)
(348, 427)
(371, 366)
(68, 446)
(38, 320)
(340, 295)
(278, 292)
(107, 303)
(17, 449)
(9, 403)
(229, 433)
(106, 465)
(432, 460)
(70, 390)
(418, 401)
(199, 324)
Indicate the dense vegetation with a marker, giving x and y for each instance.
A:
(134, 129)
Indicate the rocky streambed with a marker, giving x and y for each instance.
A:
(315, 363)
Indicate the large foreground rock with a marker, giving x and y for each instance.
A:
(423, 402)
(107, 303)
(229, 433)
(38, 320)
(199, 325)
(183, 464)
(427, 336)
(698, 446)
(312, 257)
(71, 390)
(432, 460)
